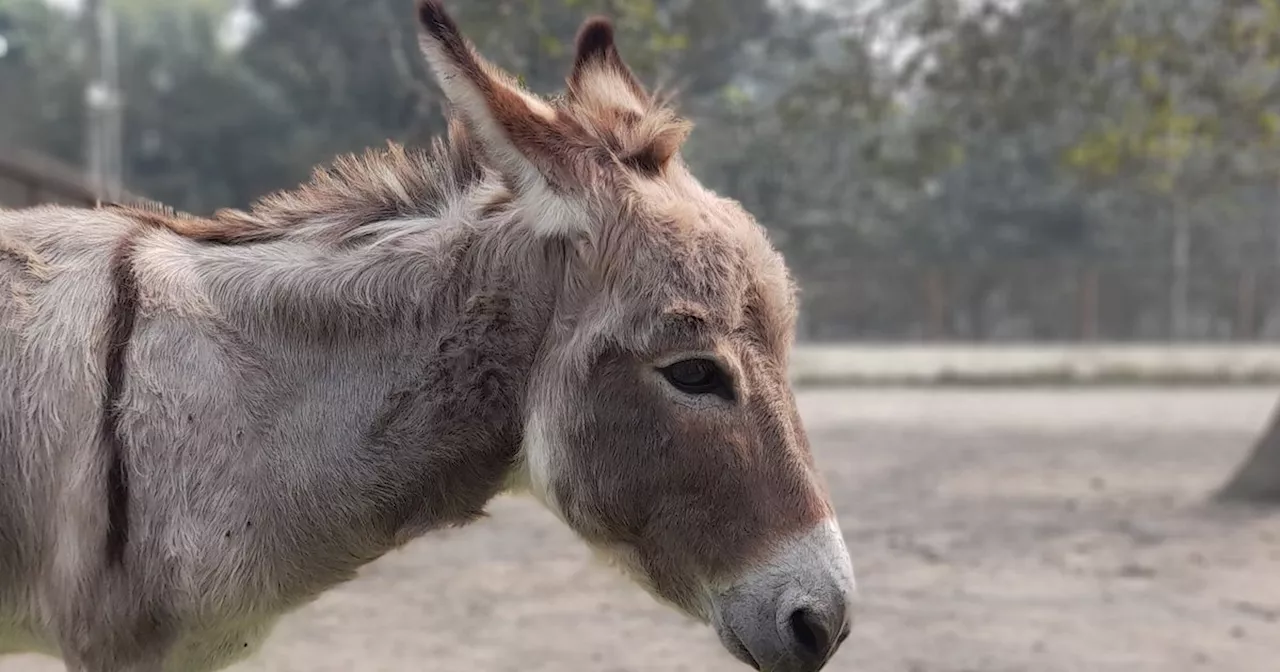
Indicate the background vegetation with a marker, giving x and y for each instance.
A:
(932, 168)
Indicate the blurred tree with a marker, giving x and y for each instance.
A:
(352, 79)
(999, 95)
(1186, 81)
(200, 125)
(1193, 91)
(803, 134)
(1193, 96)
(863, 135)
(995, 95)
(41, 68)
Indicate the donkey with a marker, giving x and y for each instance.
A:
(206, 422)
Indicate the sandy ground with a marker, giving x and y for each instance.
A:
(993, 531)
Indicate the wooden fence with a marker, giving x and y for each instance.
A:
(28, 178)
(1028, 301)
(1065, 301)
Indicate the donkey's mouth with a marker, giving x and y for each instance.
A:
(734, 644)
(789, 612)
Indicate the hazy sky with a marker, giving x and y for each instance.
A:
(238, 25)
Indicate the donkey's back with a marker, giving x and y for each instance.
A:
(55, 302)
(153, 512)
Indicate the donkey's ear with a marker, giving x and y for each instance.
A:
(518, 131)
(602, 84)
(600, 78)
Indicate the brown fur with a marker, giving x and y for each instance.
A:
(716, 268)
(717, 272)
(380, 351)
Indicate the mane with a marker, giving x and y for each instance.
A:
(147, 209)
(355, 190)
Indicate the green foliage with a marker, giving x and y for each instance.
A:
(40, 80)
(1044, 128)
(1209, 90)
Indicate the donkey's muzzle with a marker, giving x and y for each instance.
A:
(792, 612)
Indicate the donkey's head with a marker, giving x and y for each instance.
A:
(660, 424)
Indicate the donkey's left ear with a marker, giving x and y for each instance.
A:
(602, 85)
(600, 78)
(514, 128)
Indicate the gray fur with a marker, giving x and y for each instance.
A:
(283, 414)
(208, 422)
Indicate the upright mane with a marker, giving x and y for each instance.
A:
(355, 190)
(605, 119)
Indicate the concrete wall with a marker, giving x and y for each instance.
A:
(867, 364)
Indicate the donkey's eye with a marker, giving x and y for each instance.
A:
(697, 376)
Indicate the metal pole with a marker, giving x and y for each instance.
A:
(935, 305)
(103, 135)
(1087, 280)
(1180, 288)
(93, 95)
(1246, 304)
(1275, 215)
(1180, 252)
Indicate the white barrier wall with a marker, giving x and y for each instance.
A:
(1034, 363)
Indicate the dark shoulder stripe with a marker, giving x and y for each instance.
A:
(120, 325)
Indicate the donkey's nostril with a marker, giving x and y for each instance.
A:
(812, 636)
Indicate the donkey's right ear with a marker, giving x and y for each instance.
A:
(518, 131)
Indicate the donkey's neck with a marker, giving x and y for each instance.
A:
(381, 383)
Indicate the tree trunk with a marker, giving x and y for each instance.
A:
(1258, 479)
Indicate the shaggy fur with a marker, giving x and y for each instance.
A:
(208, 421)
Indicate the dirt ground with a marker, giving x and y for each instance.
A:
(992, 531)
